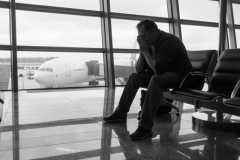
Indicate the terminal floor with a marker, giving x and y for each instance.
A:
(62, 125)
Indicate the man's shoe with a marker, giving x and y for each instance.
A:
(114, 118)
(141, 133)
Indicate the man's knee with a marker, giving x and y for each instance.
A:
(155, 80)
(134, 77)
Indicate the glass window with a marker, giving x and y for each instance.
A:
(201, 10)
(156, 8)
(5, 70)
(124, 33)
(84, 69)
(236, 12)
(200, 38)
(44, 29)
(4, 27)
(124, 66)
(78, 4)
(238, 37)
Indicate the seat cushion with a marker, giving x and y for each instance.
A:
(233, 101)
(209, 96)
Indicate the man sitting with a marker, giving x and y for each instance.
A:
(162, 63)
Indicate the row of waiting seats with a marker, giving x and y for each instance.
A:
(223, 95)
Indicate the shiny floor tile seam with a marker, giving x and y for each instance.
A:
(9, 116)
(49, 145)
(48, 124)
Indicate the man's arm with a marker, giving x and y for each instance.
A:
(145, 52)
(141, 64)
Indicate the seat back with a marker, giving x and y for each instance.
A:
(202, 61)
(226, 73)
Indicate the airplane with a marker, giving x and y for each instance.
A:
(62, 72)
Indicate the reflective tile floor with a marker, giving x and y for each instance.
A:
(67, 125)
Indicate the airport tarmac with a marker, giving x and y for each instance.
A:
(25, 83)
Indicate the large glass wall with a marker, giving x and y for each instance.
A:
(124, 33)
(5, 70)
(199, 10)
(5, 59)
(58, 70)
(77, 4)
(158, 7)
(58, 30)
(51, 30)
(199, 37)
(4, 27)
(238, 37)
(236, 12)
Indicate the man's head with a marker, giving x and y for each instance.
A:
(148, 30)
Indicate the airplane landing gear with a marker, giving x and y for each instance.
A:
(93, 83)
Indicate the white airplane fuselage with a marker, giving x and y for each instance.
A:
(61, 72)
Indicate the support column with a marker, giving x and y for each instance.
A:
(231, 27)
(13, 42)
(174, 14)
(222, 26)
(107, 44)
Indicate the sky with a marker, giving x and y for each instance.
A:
(45, 29)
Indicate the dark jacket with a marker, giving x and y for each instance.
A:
(171, 56)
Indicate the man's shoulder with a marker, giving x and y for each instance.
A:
(168, 37)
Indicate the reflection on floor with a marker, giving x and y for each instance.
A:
(68, 125)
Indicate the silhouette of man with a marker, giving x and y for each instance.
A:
(162, 63)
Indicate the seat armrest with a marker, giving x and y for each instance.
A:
(192, 74)
(235, 90)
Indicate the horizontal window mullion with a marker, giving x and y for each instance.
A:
(198, 23)
(4, 5)
(5, 47)
(58, 10)
(236, 1)
(59, 49)
(138, 17)
(237, 26)
(118, 50)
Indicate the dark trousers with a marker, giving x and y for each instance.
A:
(156, 84)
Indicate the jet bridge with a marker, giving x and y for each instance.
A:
(97, 69)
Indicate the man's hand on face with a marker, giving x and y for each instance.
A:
(142, 43)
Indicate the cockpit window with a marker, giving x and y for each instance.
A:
(50, 70)
(42, 69)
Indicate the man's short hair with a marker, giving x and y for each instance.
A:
(148, 24)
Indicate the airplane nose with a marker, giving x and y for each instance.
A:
(44, 79)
